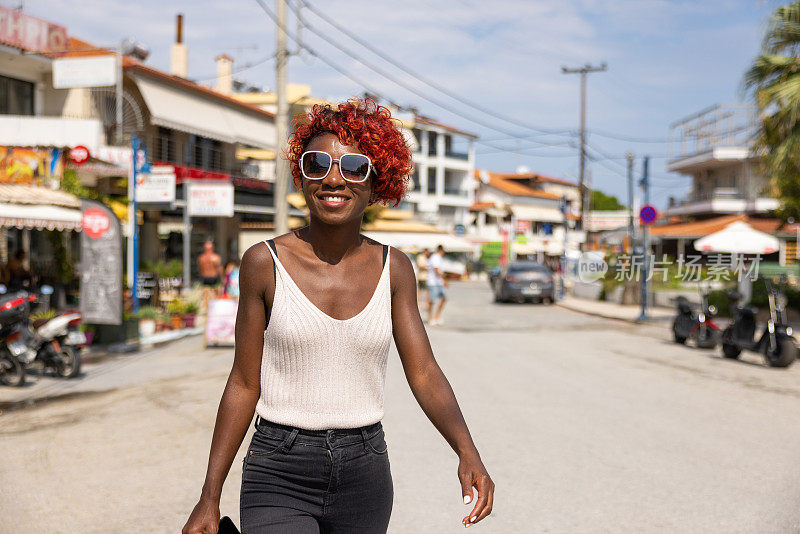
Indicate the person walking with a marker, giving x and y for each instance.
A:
(318, 309)
(422, 276)
(437, 284)
(209, 266)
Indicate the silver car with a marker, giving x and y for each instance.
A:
(524, 281)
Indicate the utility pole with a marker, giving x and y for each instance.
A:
(281, 125)
(645, 183)
(583, 71)
(629, 157)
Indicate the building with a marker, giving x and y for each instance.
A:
(442, 187)
(521, 204)
(713, 147)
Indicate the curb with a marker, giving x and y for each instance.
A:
(648, 322)
(101, 354)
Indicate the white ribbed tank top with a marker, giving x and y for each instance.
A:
(318, 372)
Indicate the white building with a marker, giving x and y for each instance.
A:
(713, 147)
(442, 188)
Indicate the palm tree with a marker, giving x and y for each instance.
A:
(774, 81)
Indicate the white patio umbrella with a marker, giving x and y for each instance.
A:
(738, 238)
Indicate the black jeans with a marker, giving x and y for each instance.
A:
(315, 481)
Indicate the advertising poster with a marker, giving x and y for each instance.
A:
(221, 322)
(101, 264)
(28, 166)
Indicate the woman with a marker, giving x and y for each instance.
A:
(317, 310)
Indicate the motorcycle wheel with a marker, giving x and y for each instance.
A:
(706, 338)
(70, 362)
(676, 336)
(12, 373)
(783, 355)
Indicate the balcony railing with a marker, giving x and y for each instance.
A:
(721, 125)
(455, 192)
(456, 155)
(719, 193)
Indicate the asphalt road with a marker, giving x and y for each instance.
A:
(586, 425)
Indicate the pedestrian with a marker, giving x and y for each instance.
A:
(209, 265)
(317, 312)
(422, 276)
(231, 286)
(437, 284)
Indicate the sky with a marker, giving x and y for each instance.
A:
(665, 60)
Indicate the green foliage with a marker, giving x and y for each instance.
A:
(64, 270)
(602, 202)
(176, 307)
(774, 81)
(164, 269)
(147, 312)
(47, 314)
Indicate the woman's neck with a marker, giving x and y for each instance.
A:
(331, 243)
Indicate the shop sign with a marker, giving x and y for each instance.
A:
(221, 322)
(28, 166)
(156, 186)
(210, 200)
(95, 223)
(79, 155)
(30, 33)
(101, 263)
(523, 227)
(97, 71)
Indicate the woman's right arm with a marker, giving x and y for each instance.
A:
(242, 389)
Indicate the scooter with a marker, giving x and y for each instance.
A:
(14, 309)
(698, 326)
(54, 342)
(775, 343)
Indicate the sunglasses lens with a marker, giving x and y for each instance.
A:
(354, 167)
(315, 164)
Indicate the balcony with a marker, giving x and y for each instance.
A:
(721, 201)
(456, 155)
(717, 135)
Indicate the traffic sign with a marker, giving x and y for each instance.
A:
(648, 215)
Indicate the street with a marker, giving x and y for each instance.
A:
(585, 424)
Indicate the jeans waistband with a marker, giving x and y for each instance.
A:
(332, 437)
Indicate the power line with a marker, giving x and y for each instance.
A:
(246, 66)
(414, 74)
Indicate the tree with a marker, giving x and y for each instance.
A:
(774, 82)
(602, 202)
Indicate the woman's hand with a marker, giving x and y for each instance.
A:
(204, 518)
(471, 472)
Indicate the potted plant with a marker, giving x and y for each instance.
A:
(175, 309)
(147, 320)
(162, 322)
(190, 310)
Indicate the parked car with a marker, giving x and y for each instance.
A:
(524, 281)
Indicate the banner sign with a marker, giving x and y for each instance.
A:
(221, 322)
(101, 263)
(98, 71)
(29, 166)
(156, 186)
(210, 200)
(30, 33)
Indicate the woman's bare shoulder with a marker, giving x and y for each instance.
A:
(256, 267)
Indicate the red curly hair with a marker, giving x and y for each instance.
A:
(363, 123)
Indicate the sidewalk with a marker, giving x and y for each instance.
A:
(610, 310)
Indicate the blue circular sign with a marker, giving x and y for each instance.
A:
(648, 215)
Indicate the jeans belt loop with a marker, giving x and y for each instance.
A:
(364, 436)
(258, 420)
(290, 440)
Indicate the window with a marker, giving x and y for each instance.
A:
(432, 143)
(16, 97)
(165, 146)
(415, 185)
(432, 180)
(205, 153)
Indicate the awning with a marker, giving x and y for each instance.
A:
(39, 217)
(180, 110)
(536, 213)
(415, 241)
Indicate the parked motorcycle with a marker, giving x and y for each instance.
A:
(14, 310)
(775, 343)
(698, 326)
(55, 342)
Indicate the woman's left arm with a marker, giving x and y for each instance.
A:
(431, 388)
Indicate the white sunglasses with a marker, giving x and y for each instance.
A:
(316, 164)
